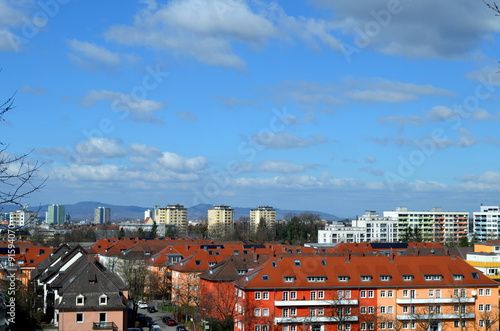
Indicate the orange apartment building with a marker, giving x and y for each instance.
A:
(351, 293)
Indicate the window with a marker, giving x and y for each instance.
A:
(256, 312)
(481, 291)
(405, 309)
(293, 311)
(481, 323)
(265, 327)
(312, 312)
(293, 327)
(475, 275)
(481, 307)
(488, 307)
(390, 325)
(265, 277)
(371, 326)
(285, 312)
(321, 311)
(343, 278)
(313, 295)
(363, 310)
(407, 278)
(456, 324)
(80, 299)
(265, 311)
(382, 326)
(383, 310)
(385, 278)
(289, 279)
(458, 277)
(382, 293)
(390, 293)
(316, 279)
(297, 263)
(103, 300)
(366, 278)
(284, 296)
(348, 294)
(433, 277)
(405, 293)
(256, 328)
(390, 309)
(431, 293)
(79, 317)
(371, 310)
(340, 294)
(257, 295)
(293, 295)
(438, 294)
(321, 295)
(405, 325)
(371, 293)
(487, 292)
(362, 294)
(265, 295)
(363, 326)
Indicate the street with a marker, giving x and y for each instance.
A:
(157, 319)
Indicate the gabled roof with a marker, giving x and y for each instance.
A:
(337, 271)
(232, 267)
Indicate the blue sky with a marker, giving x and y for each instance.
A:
(315, 104)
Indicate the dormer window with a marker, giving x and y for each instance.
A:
(297, 263)
(316, 279)
(343, 278)
(103, 299)
(385, 278)
(433, 277)
(458, 277)
(80, 300)
(265, 277)
(211, 264)
(366, 278)
(242, 272)
(407, 278)
(198, 262)
(289, 279)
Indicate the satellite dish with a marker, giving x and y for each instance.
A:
(473, 293)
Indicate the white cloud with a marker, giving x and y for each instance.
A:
(100, 147)
(285, 140)
(90, 51)
(179, 163)
(383, 90)
(204, 30)
(426, 28)
(143, 109)
(283, 166)
(33, 90)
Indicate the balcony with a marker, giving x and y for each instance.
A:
(104, 326)
(415, 301)
(302, 303)
(414, 317)
(315, 319)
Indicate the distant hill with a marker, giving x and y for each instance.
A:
(85, 210)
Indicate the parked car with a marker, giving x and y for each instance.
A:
(180, 328)
(152, 309)
(165, 319)
(154, 328)
(171, 322)
(142, 305)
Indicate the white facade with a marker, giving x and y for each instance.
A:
(378, 228)
(370, 228)
(486, 223)
(435, 225)
(22, 217)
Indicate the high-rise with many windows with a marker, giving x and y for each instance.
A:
(486, 223)
(102, 215)
(173, 215)
(220, 221)
(265, 214)
(55, 215)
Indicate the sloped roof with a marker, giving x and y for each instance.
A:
(355, 266)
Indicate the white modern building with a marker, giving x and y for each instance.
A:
(434, 225)
(55, 215)
(22, 217)
(102, 215)
(339, 233)
(486, 223)
(378, 228)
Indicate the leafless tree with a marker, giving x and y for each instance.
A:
(493, 6)
(18, 176)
